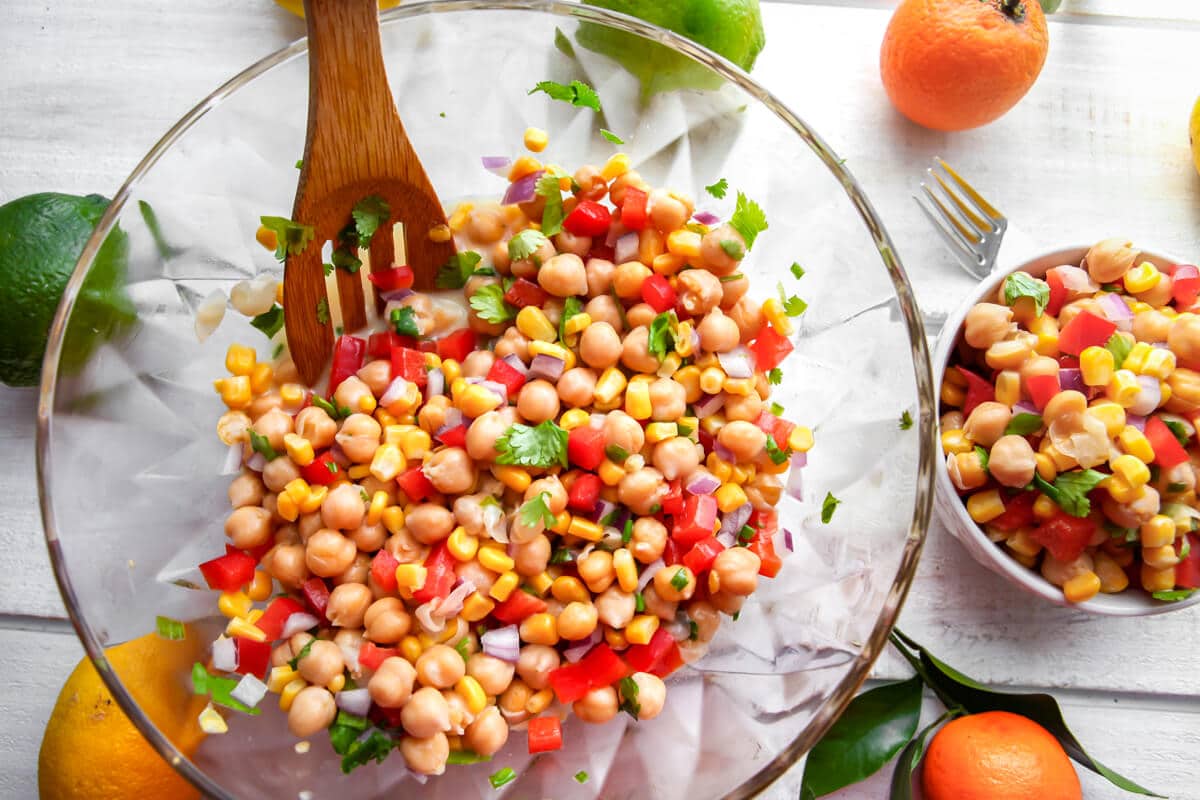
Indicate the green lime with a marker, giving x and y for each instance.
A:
(732, 28)
(41, 237)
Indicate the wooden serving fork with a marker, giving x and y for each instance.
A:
(356, 148)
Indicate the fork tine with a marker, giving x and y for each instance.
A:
(971, 237)
(977, 222)
(967, 257)
(980, 202)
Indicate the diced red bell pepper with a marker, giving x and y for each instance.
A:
(275, 617)
(504, 373)
(1058, 293)
(348, 355)
(394, 279)
(383, 570)
(588, 218)
(762, 544)
(1064, 536)
(316, 597)
(380, 344)
(457, 345)
(569, 683)
(696, 520)
(372, 656)
(1168, 452)
(322, 470)
(545, 734)
(585, 447)
(1083, 331)
(1187, 571)
(455, 437)
(1041, 388)
(414, 484)
(1186, 286)
(777, 428)
(633, 209)
(584, 493)
(600, 667)
(658, 294)
(525, 292)
(769, 349)
(765, 521)
(1068, 362)
(519, 605)
(439, 574)
(647, 657)
(409, 364)
(978, 390)
(386, 717)
(426, 346)
(701, 557)
(229, 572)
(256, 553)
(671, 555)
(672, 501)
(253, 658)
(601, 251)
(1018, 512)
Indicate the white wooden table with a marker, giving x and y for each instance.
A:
(1098, 147)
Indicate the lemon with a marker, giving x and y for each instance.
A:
(92, 750)
(297, 6)
(732, 28)
(1194, 134)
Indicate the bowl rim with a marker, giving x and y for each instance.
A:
(928, 450)
(952, 512)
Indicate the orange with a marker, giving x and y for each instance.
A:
(958, 64)
(92, 750)
(997, 756)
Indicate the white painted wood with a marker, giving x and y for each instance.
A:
(1099, 147)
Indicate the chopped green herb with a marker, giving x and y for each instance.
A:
(983, 458)
(562, 556)
(404, 321)
(344, 730)
(369, 214)
(746, 533)
(277, 352)
(1022, 284)
(1023, 424)
(488, 302)
(733, 248)
(171, 629)
(463, 648)
(736, 614)
(552, 215)
(612, 137)
(906, 421)
(525, 244)
(1119, 346)
(502, 777)
(797, 270)
(544, 445)
(737, 276)
(269, 322)
(718, 189)
(777, 454)
(1186, 549)
(377, 746)
(1174, 595)
(328, 268)
(655, 508)
(1175, 488)
(261, 444)
(1179, 429)
(571, 307)
(777, 409)
(345, 256)
(628, 690)
(291, 237)
(684, 430)
(828, 506)
(581, 777)
(639, 603)
(301, 655)
(219, 689)
(466, 757)
(455, 272)
(537, 511)
(333, 411)
(616, 453)
(693, 630)
(1070, 490)
(332, 467)
(299, 163)
(792, 306)
(323, 311)
(679, 580)
(748, 220)
(775, 376)
(338, 330)
(627, 533)
(661, 340)
(577, 93)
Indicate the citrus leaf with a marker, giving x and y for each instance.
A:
(873, 728)
(911, 755)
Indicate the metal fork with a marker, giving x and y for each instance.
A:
(973, 230)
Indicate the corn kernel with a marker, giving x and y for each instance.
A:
(539, 348)
(626, 569)
(1021, 543)
(338, 683)
(569, 589)
(235, 392)
(661, 431)
(615, 167)
(610, 385)
(1112, 577)
(1111, 414)
(410, 648)
(415, 444)
(411, 576)
(234, 604)
(1045, 328)
(669, 366)
(956, 441)
(241, 627)
(514, 478)
(379, 503)
(1157, 580)
(289, 692)
(1120, 490)
(712, 380)
(689, 378)
(1096, 365)
(641, 629)
(800, 439)
(729, 497)
(261, 377)
(667, 263)
(358, 471)
(493, 558)
(267, 238)
(458, 219)
(240, 360)
(536, 140)
(952, 395)
(985, 506)
(684, 243)
(524, 165)
(539, 701)
(1082, 587)
(777, 317)
(287, 507)
(575, 418)
(504, 586)
(721, 470)
(299, 449)
(408, 401)
(393, 519)
(585, 529)
(683, 342)
(462, 545)
(615, 639)
(1158, 531)
(742, 474)
(1008, 387)
(541, 583)
(1159, 364)
(1135, 443)
(476, 607)
(1045, 467)
(1044, 507)
(280, 677)
(387, 463)
(293, 395)
(1142, 278)
(475, 401)
(741, 387)
(541, 628)
(532, 322)
(562, 521)
(1132, 469)
(1136, 360)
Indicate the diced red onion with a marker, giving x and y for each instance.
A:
(453, 602)
(626, 248)
(435, 384)
(579, 649)
(1114, 307)
(787, 541)
(615, 231)
(496, 388)
(350, 654)
(514, 361)
(494, 524)
(1148, 397)
(249, 690)
(709, 404)
(723, 452)
(603, 509)
(597, 421)
(1076, 280)
(1136, 420)
(224, 655)
(695, 340)
(503, 643)
(702, 482)
(734, 520)
(454, 418)
(677, 630)
(233, 459)
(736, 363)
(395, 295)
(497, 165)
(1025, 407)
(546, 367)
(1070, 378)
(354, 701)
(799, 459)
(648, 573)
(795, 483)
(727, 539)
(706, 218)
(257, 461)
(428, 619)
(394, 392)
(522, 190)
(299, 621)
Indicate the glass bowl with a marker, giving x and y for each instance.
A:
(130, 468)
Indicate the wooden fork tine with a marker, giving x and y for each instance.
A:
(309, 340)
(350, 295)
(980, 202)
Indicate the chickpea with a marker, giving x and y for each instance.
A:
(488, 733)
(747, 407)
(286, 564)
(1132, 515)
(764, 491)
(281, 655)
(532, 557)
(430, 523)
(468, 511)
(352, 393)
(628, 279)
(707, 619)
(986, 324)
(649, 540)
(248, 527)
(1012, 461)
(377, 375)
(500, 259)
(343, 508)
(1059, 572)
(747, 314)
(1160, 293)
(615, 607)
(493, 674)
(308, 525)
(535, 664)
(987, 423)
(270, 504)
(1183, 337)
(652, 694)
(569, 243)
(716, 258)
(642, 490)
(732, 291)
(669, 399)
(663, 609)
(1064, 404)
(951, 421)
(699, 291)
(387, 620)
(279, 472)
(598, 705)
(484, 431)
(596, 570)
(577, 386)
(676, 583)
(347, 605)
(450, 470)
(264, 403)
(478, 363)
(405, 547)
(592, 185)
(1108, 261)
(1179, 475)
(323, 663)
(563, 275)
(359, 572)
(359, 437)
(477, 574)
(577, 621)
(368, 538)
(273, 424)
(666, 212)
(315, 425)
(676, 457)
(735, 571)
(718, 333)
(603, 308)
(392, 684)
(552, 486)
(312, 711)
(640, 314)
(744, 440)
(966, 470)
(328, 553)
(727, 602)
(426, 712)
(440, 666)
(485, 225)
(624, 431)
(1152, 326)
(538, 401)
(1072, 309)
(432, 415)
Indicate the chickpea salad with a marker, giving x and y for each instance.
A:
(540, 502)
(1069, 416)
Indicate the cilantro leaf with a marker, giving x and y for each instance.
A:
(906, 421)
(344, 730)
(219, 689)
(616, 454)
(1119, 346)
(1023, 424)
(328, 268)
(323, 310)
(376, 746)
(345, 257)
(404, 321)
(1173, 595)
(775, 376)
(581, 776)
(718, 189)
(541, 446)
(1070, 490)
(983, 458)
(455, 272)
(748, 219)
(488, 302)
(571, 307)
(661, 340)
(577, 93)
(1022, 284)
(828, 506)
(269, 322)
(777, 454)
(679, 580)
(628, 690)
(792, 306)
(525, 244)
(612, 137)
(777, 410)
(733, 248)
(537, 510)
(293, 662)
(552, 215)
(1179, 429)
(797, 270)
(291, 237)
(261, 444)
(368, 214)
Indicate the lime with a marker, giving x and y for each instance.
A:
(732, 28)
(41, 237)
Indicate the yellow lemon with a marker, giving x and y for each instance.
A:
(297, 6)
(1194, 134)
(92, 750)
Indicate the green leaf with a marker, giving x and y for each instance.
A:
(552, 215)
(571, 307)
(718, 189)
(369, 214)
(661, 339)
(792, 306)
(1119, 346)
(612, 137)
(488, 302)
(628, 692)
(542, 446)
(261, 444)
(345, 256)
(376, 746)
(404, 321)
(616, 454)
(291, 237)
(797, 270)
(983, 457)
(911, 756)
(679, 580)
(906, 421)
(733, 248)
(293, 662)
(455, 272)
(748, 219)
(1174, 595)
(1178, 428)
(537, 510)
(1070, 490)
(170, 629)
(828, 506)
(323, 310)
(269, 322)
(577, 93)
(525, 244)
(874, 727)
(737, 276)
(777, 454)
(1022, 284)
(1023, 424)
(777, 409)
(775, 376)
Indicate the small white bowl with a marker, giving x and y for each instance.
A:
(953, 513)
